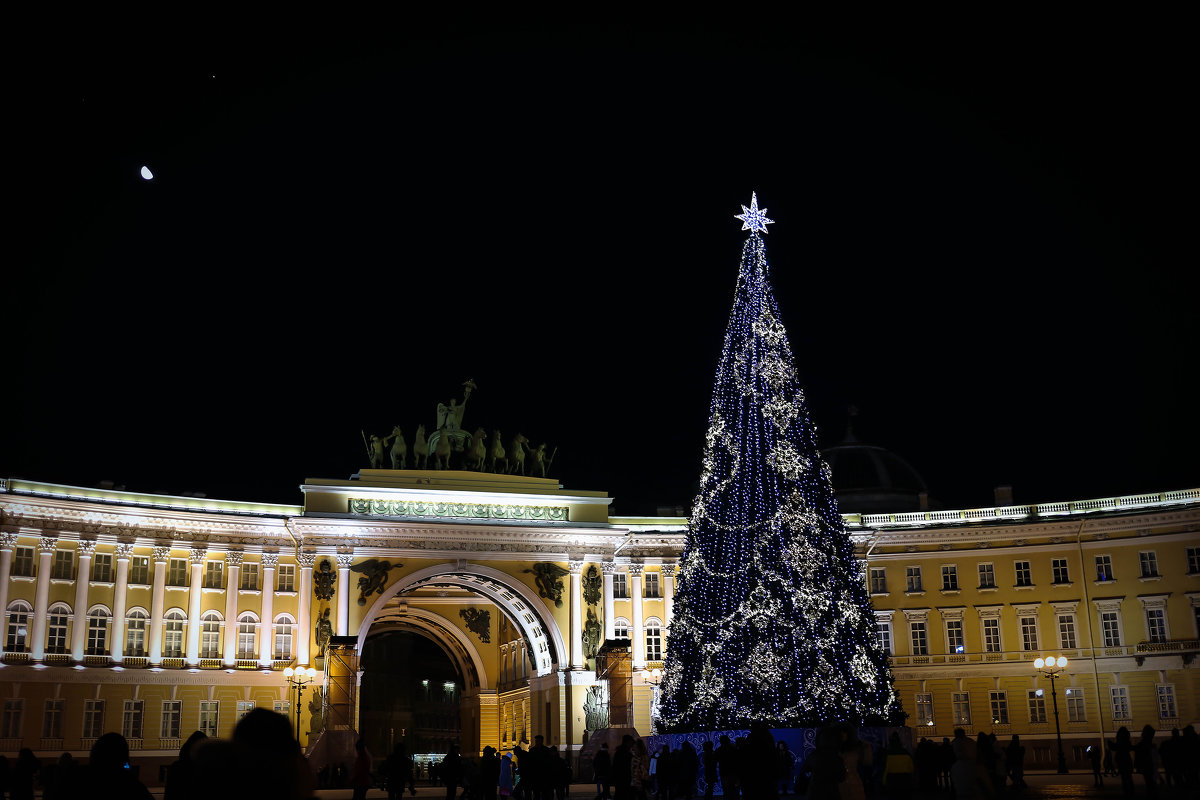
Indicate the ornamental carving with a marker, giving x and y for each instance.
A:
(479, 622)
(548, 578)
(374, 573)
(592, 633)
(436, 510)
(323, 579)
(593, 586)
(234, 558)
(270, 560)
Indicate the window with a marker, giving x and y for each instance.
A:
(912, 579)
(56, 631)
(97, 641)
(135, 633)
(172, 711)
(244, 707)
(139, 570)
(23, 562)
(283, 707)
(63, 570)
(999, 701)
(1120, 702)
(286, 578)
(173, 633)
(1024, 573)
(920, 643)
(652, 584)
(987, 576)
(93, 719)
(214, 574)
(177, 573)
(210, 635)
(250, 575)
(1029, 633)
(883, 629)
(1076, 707)
(878, 580)
(131, 719)
(1166, 701)
(1149, 562)
(208, 717)
(653, 640)
(1193, 560)
(52, 718)
(961, 703)
(1156, 625)
(1059, 567)
(247, 625)
(1104, 570)
(950, 578)
(924, 708)
(1037, 705)
(18, 626)
(102, 566)
(620, 585)
(954, 636)
(283, 637)
(991, 636)
(1066, 631)
(10, 718)
(1110, 626)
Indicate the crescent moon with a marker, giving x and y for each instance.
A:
(147, 174)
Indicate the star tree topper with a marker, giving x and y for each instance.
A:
(752, 218)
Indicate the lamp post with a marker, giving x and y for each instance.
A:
(1053, 667)
(299, 678)
(654, 678)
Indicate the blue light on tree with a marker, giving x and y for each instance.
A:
(772, 621)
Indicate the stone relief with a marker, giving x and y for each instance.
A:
(548, 578)
(324, 632)
(595, 708)
(593, 631)
(316, 707)
(479, 622)
(374, 574)
(593, 586)
(323, 580)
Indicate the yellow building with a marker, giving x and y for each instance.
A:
(156, 616)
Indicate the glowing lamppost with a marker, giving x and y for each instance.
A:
(1053, 667)
(299, 678)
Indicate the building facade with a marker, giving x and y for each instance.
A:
(156, 616)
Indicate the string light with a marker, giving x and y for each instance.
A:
(772, 620)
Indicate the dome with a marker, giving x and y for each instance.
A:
(869, 479)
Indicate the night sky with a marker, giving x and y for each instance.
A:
(984, 241)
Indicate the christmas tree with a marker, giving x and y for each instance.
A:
(772, 620)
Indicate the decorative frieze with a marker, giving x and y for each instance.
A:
(434, 510)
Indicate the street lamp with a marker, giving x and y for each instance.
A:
(1053, 667)
(299, 678)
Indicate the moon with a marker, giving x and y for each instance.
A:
(147, 174)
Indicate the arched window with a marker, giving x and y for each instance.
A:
(210, 635)
(56, 629)
(653, 639)
(620, 628)
(284, 625)
(98, 618)
(135, 632)
(18, 626)
(247, 628)
(173, 624)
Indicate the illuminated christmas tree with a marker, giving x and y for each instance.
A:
(772, 620)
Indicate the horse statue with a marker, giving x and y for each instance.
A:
(517, 461)
(420, 450)
(540, 462)
(476, 451)
(441, 453)
(399, 449)
(497, 454)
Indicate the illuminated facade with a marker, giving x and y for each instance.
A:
(156, 616)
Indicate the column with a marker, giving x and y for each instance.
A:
(610, 616)
(266, 626)
(576, 614)
(343, 595)
(117, 644)
(668, 579)
(233, 570)
(46, 547)
(637, 633)
(8, 541)
(195, 583)
(162, 557)
(304, 607)
(82, 580)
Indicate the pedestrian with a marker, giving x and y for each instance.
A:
(506, 781)
(1146, 760)
(787, 764)
(107, 775)
(851, 752)
(641, 770)
(1191, 758)
(360, 773)
(1110, 769)
(1014, 762)
(1171, 752)
(451, 771)
(945, 762)
(181, 775)
(1093, 754)
(825, 767)
(1123, 758)
(622, 769)
(966, 775)
(687, 770)
(23, 774)
(602, 772)
(727, 758)
(898, 770)
(489, 773)
(708, 763)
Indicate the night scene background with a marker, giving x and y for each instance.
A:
(983, 241)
